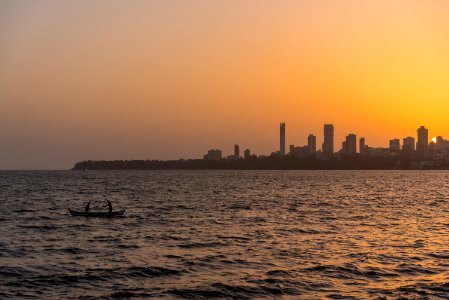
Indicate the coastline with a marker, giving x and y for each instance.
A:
(288, 163)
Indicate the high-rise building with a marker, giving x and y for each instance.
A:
(282, 139)
(422, 146)
(247, 154)
(328, 145)
(408, 144)
(395, 145)
(423, 137)
(350, 145)
(236, 151)
(311, 143)
(344, 148)
(362, 145)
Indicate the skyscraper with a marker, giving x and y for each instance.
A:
(362, 145)
(408, 144)
(282, 139)
(236, 151)
(328, 145)
(344, 147)
(408, 148)
(422, 146)
(350, 145)
(311, 143)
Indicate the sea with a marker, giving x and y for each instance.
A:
(225, 235)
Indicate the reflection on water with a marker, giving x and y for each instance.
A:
(226, 234)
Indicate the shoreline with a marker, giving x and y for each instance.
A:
(383, 163)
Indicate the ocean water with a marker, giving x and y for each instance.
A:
(226, 234)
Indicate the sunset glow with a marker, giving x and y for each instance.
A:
(232, 149)
(171, 79)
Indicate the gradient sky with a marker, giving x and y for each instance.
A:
(171, 79)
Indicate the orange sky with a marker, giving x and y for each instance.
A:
(171, 79)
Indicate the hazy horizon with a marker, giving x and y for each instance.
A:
(84, 80)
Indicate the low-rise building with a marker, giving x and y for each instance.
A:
(247, 154)
(214, 154)
(395, 145)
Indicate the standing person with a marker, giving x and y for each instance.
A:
(108, 204)
(87, 206)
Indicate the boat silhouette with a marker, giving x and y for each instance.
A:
(118, 213)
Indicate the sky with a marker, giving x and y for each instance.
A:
(171, 79)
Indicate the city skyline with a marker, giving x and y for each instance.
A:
(420, 145)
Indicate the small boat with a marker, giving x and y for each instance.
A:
(118, 213)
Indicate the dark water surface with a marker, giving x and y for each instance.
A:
(226, 234)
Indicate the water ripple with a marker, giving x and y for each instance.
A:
(226, 234)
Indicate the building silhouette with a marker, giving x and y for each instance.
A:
(362, 145)
(236, 151)
(328, 145)
(311, 143)
(282, 139)
(299, 152)
(408, 143)
(349, 146)
(395, 145)
(291, 149)
(422, 146)
(247, 154)
(408, 148)
(442, 144)
(214, 154)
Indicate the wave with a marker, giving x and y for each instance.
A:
(439, 255)
(14, 272)
(240, 207)
(40, 227)
(151, 272)
(203, 245)
(23, 278)
(129, 294)
(73, 250)
(414, 270)
(277, 273)
(417, 291)
(225, 291)
(349, 271)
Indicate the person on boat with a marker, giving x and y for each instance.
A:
(108, 204)
(87, 206)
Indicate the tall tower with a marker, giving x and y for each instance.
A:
(422, 146)
(351, 144)
(328, 145)
(311, 143)
(408, 148)
(236, 150)
(282, 138)
(362, 145)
